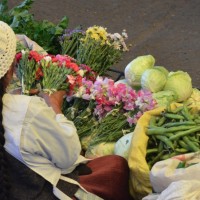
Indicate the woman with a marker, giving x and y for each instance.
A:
(40, 149)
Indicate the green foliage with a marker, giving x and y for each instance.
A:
(44, 32)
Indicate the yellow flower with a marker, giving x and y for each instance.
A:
(102, 31)
(95, 36)
(97, 33)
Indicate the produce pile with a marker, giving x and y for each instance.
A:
(141, 72)
(107, 112)
(172, 133)
(104, 111)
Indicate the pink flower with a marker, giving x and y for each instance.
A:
(71, 79)
(86, 97)
(131, 121)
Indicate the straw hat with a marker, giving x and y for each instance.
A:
(7, 47)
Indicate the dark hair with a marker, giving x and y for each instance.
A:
(4, 178)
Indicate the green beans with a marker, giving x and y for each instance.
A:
(190, 144)
(183, 145)
(152, 122)
(162, 130)
(181, 150)
(165, 140)
(173, 116)
(178, 109)
(155, 159)
(171, 124)
(161, 121)
(154, 150)
(171, 133)
(187, 114)
(184, 133)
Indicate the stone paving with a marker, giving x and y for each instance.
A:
(169, 30)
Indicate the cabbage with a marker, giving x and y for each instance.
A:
(85, 141)
(136, 67)
(101, 149)
(162, 69)
(153, 79)
(180, 83)
(163, 98)
(122, 146)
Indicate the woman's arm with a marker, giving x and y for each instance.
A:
(54, 100)
(49, 135)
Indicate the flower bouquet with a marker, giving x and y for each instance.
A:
(95, 47)
(70, 41)
(105, 111)
(48, 73)
(27, 65)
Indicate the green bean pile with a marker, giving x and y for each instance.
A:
(171, 133)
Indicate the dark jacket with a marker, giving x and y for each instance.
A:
(26, 184)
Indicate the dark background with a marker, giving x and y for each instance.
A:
(167, 29)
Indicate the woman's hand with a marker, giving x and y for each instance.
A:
(54, 100)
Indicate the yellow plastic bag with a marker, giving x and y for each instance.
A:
(140, 185)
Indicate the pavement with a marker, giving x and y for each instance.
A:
(167, 29)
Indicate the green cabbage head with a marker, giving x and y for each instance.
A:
(153, 79)
(134, 70)
(164, 98)
(180, 83)
(162, 69)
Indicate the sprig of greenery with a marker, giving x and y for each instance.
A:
(26, 73)
(70, 41)
(112, 127)
(54, 77)
(44, 32)
(99, 57)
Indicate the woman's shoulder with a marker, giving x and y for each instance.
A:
(21, 98)
(23, 102)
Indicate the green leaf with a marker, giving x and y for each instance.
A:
(58, 31)
(3, 6)
(15, 22)
(25, 5)
(64, 22)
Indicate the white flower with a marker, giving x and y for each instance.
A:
(23, 51)
(47, 58)
(117, 36)
(116, 45)
(124, 34)
(80, 92)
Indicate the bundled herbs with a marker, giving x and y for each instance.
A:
(95, 47)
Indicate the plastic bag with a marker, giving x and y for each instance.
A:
(27, 42)
(182, 167)
(178, 190)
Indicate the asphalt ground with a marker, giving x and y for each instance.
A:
(167, 29)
